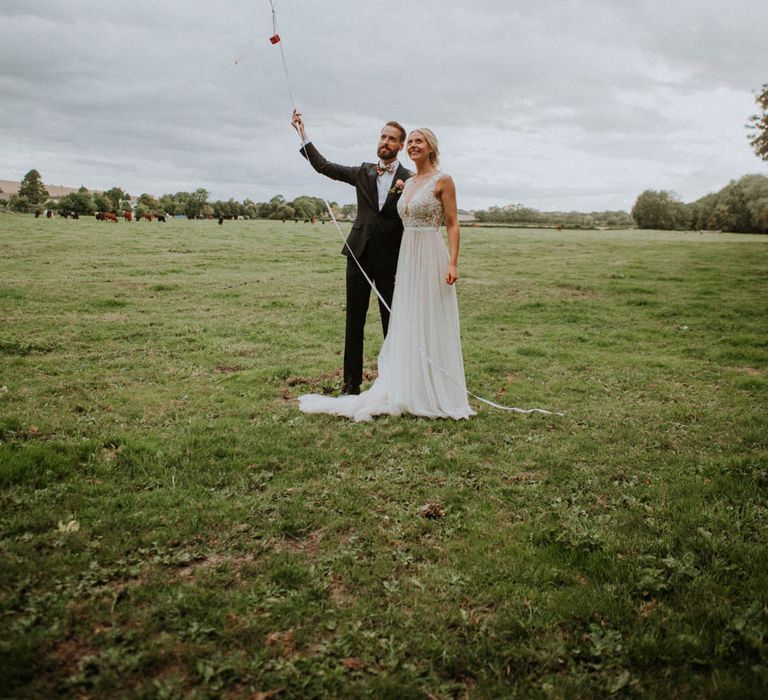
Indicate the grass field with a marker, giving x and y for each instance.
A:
(171, 526)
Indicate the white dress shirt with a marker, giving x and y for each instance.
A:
(384, 183)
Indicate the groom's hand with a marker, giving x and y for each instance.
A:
(298, 123)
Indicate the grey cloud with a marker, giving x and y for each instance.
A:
(533, 101)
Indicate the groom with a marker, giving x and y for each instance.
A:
(374, 238)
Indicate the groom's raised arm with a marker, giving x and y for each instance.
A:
(344, 173)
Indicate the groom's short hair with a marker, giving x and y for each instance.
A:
(399, 127)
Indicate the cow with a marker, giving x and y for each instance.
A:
(128, 216)
(109, 216)
(146, 217)
(160, 217)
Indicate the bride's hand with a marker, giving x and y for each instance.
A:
(453, 273)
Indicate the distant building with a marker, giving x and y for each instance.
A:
(55, 192)
(9, 188)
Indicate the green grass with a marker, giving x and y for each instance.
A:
(171, 526)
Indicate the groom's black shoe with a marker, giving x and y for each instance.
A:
(350, 390)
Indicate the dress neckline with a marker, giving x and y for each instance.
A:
(407, 202)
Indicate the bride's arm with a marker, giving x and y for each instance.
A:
(446, 193)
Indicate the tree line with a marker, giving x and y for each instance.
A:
(741, 206)
(34, 197)
(521, 215)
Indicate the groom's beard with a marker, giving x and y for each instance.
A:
(386, 153)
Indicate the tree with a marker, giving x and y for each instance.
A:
(741, 206)
(149, 202)
(283, 211)
(306, 207)
(171, 205)
(17, 202)
(733, 210)
(116, 197)
(32, 188)
(758, 123)
(80, 201)
(225, 209)
(195, 205)
(102, 202)
(250, 209)
(266, 209)
(661, 210)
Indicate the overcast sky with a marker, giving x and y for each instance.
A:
(555, 104)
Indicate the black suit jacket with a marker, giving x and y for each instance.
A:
(377, 232)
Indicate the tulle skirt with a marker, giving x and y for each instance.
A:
(421, 370)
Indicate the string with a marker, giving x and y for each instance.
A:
(279, 42)
(276, 39)
(275, 34)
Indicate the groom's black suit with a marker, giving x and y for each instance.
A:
(375, 241)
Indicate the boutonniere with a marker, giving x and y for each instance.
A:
(397, 188)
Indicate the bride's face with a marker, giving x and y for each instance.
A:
(417, 147)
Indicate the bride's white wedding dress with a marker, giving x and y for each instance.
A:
(421, 370)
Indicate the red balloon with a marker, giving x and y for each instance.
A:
(274, 38)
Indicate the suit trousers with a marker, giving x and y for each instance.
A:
(358, 298)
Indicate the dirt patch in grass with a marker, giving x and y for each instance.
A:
(211, 561)
(751, 371)
(573, 291)
(228, 369)
(524, 477)
(340, 594)
(67, 656)
(308, 545)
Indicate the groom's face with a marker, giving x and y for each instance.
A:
(389, 143)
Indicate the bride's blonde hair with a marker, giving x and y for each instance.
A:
(431, 139)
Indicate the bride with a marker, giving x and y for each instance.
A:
(421, 370)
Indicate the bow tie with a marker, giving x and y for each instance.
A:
(381, 169)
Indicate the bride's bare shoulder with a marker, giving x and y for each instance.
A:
(444, 184)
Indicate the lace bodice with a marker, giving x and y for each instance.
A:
(418, 206)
